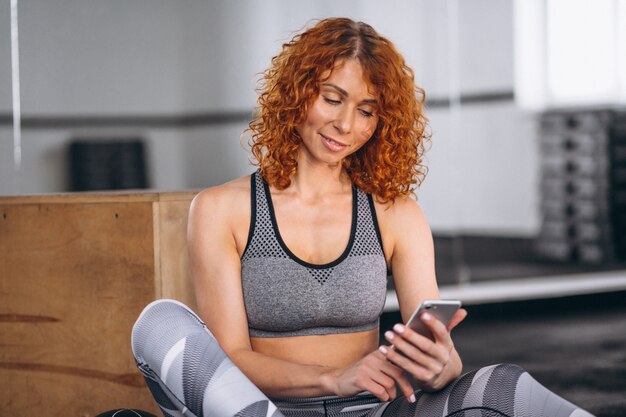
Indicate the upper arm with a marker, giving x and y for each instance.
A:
(412, 257)
(216, 266)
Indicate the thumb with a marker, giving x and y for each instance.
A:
(458, 317)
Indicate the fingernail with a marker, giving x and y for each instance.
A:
(383, 350)
(398, 328)
(426, 316)
(412, 398)
(389, 335)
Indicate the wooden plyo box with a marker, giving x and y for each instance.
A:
(75, 272)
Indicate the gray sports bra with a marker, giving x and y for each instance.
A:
(286, 296)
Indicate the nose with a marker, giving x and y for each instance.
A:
(344, 120)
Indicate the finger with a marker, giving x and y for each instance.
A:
(405, 386)
(417, 348)
(416, 369)
(375, 376)
(387, 382)
(434, 348)
(377, 390)
(437, 328)
(458, 317)
(399, 376)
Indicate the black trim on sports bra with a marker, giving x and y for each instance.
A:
(370, 200)
(252, 213)
(337, 261)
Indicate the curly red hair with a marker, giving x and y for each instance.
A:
(390, 163)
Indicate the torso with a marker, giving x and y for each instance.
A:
(333, 350)
(315, 231)
(326, 233)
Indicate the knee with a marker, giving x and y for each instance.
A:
(500, 369)
(507, 372)
(161, 322)
(499, 376)
(492, 387)
(511, 368)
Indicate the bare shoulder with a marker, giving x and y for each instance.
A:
(402, 224)
(402, 212)
(223, 199)
(222, 212)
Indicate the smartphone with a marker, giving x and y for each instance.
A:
(443, 310)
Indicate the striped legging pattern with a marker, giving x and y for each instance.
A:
(189, 375)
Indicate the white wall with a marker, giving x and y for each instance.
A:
(157, 57)
(85, 57)
(483, 171)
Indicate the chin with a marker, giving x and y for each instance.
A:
(332, 159)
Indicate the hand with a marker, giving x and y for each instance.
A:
(432, 363)
(375, 374)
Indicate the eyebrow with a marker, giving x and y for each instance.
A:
(345, 93)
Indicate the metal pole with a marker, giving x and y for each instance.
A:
(15, 76)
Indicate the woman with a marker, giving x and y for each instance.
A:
(290, 264)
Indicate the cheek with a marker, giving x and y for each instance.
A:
(315, 115)
(364, 137)
(368, 130)
(307, 125)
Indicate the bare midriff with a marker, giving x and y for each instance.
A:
(333, 350)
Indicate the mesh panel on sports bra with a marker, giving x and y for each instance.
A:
(263, 243)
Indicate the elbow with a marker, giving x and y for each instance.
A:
(238, 355)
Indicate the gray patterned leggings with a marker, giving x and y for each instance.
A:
(190, 375)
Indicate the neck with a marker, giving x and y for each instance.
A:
(318, 180)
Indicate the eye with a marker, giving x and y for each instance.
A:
(366, 113)
(331, 101)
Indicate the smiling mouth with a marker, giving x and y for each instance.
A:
(332, 144)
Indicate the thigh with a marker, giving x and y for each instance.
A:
(503, 390)
(463, 394)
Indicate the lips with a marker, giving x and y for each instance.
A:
(332, 144)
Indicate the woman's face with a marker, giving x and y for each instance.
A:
(342, 118)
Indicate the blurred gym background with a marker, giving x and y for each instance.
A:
(526, 193)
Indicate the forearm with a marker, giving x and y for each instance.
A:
(280, 378)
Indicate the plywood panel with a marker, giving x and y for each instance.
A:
(174, 258)
(73, 278)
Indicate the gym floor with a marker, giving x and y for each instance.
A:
(575, 346)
